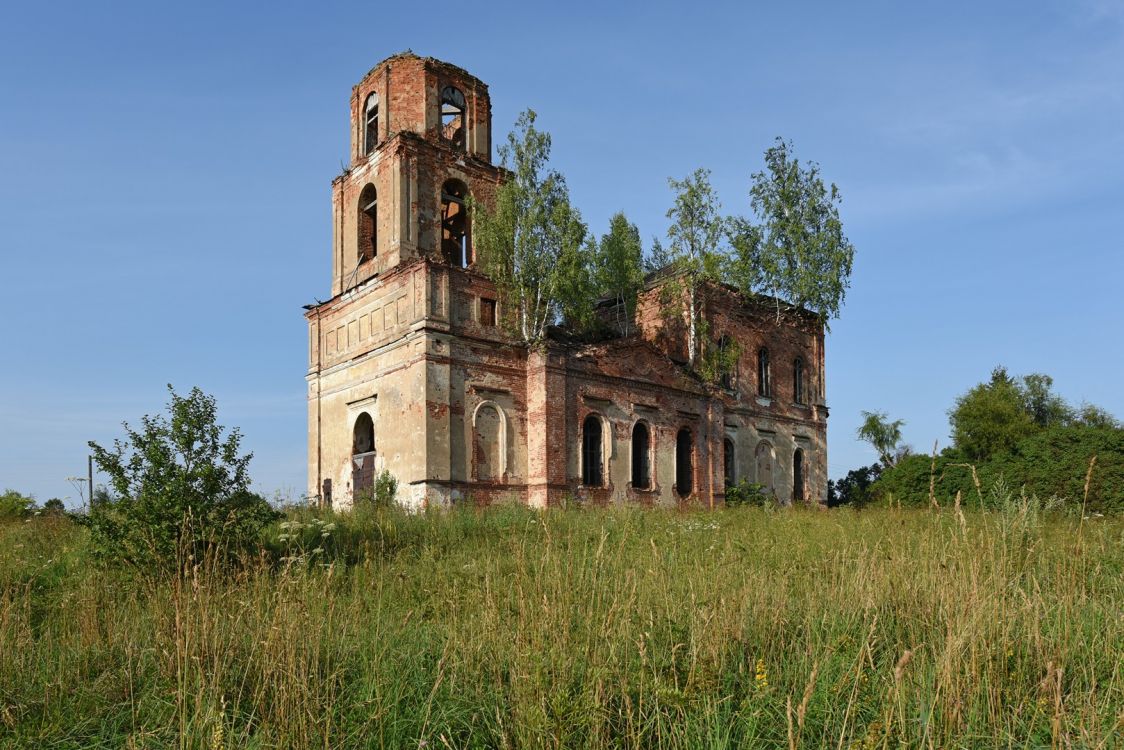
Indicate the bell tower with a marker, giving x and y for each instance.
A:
(383, 393)
(421, 144)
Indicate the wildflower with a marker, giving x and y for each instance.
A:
(762, 678)
(218, 740)
(873, 734)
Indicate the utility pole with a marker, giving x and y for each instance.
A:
(90, 479)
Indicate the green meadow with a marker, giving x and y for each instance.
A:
(578, 628)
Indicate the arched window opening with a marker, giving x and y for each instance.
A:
(684, 463)
(371, 124)
(729, 469)
(593, 474)
(452, 117)
(363, 456)
(641, 457)
(798, 381)
(368, 223)
(488, 443)
(726, 366)
(764, 456)
(454, 224)
(363, 436)
(764, 387)
(798, 476)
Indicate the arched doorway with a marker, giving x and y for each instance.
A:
(362, 455)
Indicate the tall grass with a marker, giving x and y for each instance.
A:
(510, 628)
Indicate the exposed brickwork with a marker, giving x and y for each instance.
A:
(463, 413)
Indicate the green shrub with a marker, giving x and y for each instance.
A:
(382, 495)
(746, 493)
(54, 507)
(180, 488)
(14, 506)
(1055, 462)
(1050, 463)
(386, 489)
(855, 488)
(907, 481)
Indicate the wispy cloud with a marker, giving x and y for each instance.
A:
(980, 179)
(1101, 11)
(966, 144)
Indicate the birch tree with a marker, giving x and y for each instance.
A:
(531, 241)
(697, 246)
(884, 435)
(620, 272)
(796, 250)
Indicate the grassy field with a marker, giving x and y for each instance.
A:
(510, 628)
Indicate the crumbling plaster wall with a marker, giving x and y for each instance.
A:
(484, 367)
(434, 362)
(367, 355)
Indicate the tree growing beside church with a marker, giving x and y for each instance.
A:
(884, 435)
(992, 417)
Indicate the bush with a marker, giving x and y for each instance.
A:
(54, 507)
(180, 488)
(746, 493)
(383, 494)
(855, 488)
(1049, 463)
(1054, 462)
(14, 506)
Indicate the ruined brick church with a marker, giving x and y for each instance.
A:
(410, 371)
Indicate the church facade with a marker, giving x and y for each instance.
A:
(411, 371)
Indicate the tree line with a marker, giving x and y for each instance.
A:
(1014, 430)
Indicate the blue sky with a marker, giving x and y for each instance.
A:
(165, 169)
